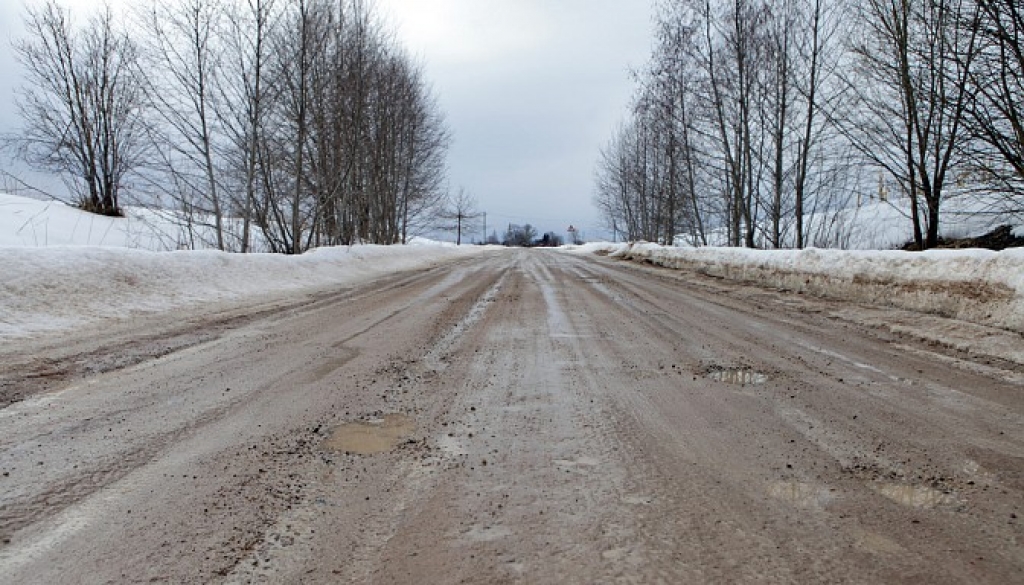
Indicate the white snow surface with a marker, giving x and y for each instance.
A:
(61, 268)
(32, 223)
(55, 277)
(979, 286)
(879, 225)
(886, 225)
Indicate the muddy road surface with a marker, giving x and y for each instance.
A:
(515, 417)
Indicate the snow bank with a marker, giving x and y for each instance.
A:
(979, 286)
(32, 223)
(58, 288)
(54, 275)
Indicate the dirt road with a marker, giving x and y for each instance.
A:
(521, 416)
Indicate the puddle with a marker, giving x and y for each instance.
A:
(373, 436)
(738, 376)
(801, 494)
(915, 496)
(615, 554)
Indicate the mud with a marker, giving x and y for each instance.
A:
(373, 436)
(520, 417)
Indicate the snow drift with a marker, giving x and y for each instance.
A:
(59, 288)
(978, 286)
(61, 267)
(30, 223)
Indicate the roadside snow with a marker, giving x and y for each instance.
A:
(39, 224)
(54, 277)
(979, 286)
(58, 288)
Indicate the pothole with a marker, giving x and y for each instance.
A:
(737, 376)
(915, 496)
(372, 436)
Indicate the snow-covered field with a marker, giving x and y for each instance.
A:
(979, 286)
(886, 225)
(61, 268)
(878, 225)
(39, 224)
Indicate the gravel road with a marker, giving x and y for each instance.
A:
(518, 416)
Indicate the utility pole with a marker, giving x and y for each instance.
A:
(485, 228)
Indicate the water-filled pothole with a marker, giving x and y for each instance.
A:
(737, 376)
(915, 496)
(372, 436)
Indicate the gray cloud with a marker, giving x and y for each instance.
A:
(10, 29)
(530, 114)
(531, 88)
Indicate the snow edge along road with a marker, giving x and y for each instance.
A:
(977, 287)
(50, 290)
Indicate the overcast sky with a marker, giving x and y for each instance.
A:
(531, 89)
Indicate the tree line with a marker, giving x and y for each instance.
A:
(300, 123)
(754, 119)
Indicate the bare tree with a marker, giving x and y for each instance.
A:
(814, 53)
(373, 140)
(460, 214)
(756, 120)
(82, 106)
(914, 89)
(522, 236)
(248, 26)
(996, 110)
(183, 61)
(801, 102)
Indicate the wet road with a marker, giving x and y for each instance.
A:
(520, 416)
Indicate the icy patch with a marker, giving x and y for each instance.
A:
(434, 357)
(452, 446)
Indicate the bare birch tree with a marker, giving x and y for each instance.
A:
(82, 106)
(183, 63)
(996, 107)
(913, 89)
(302, 119)
(242, 86)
